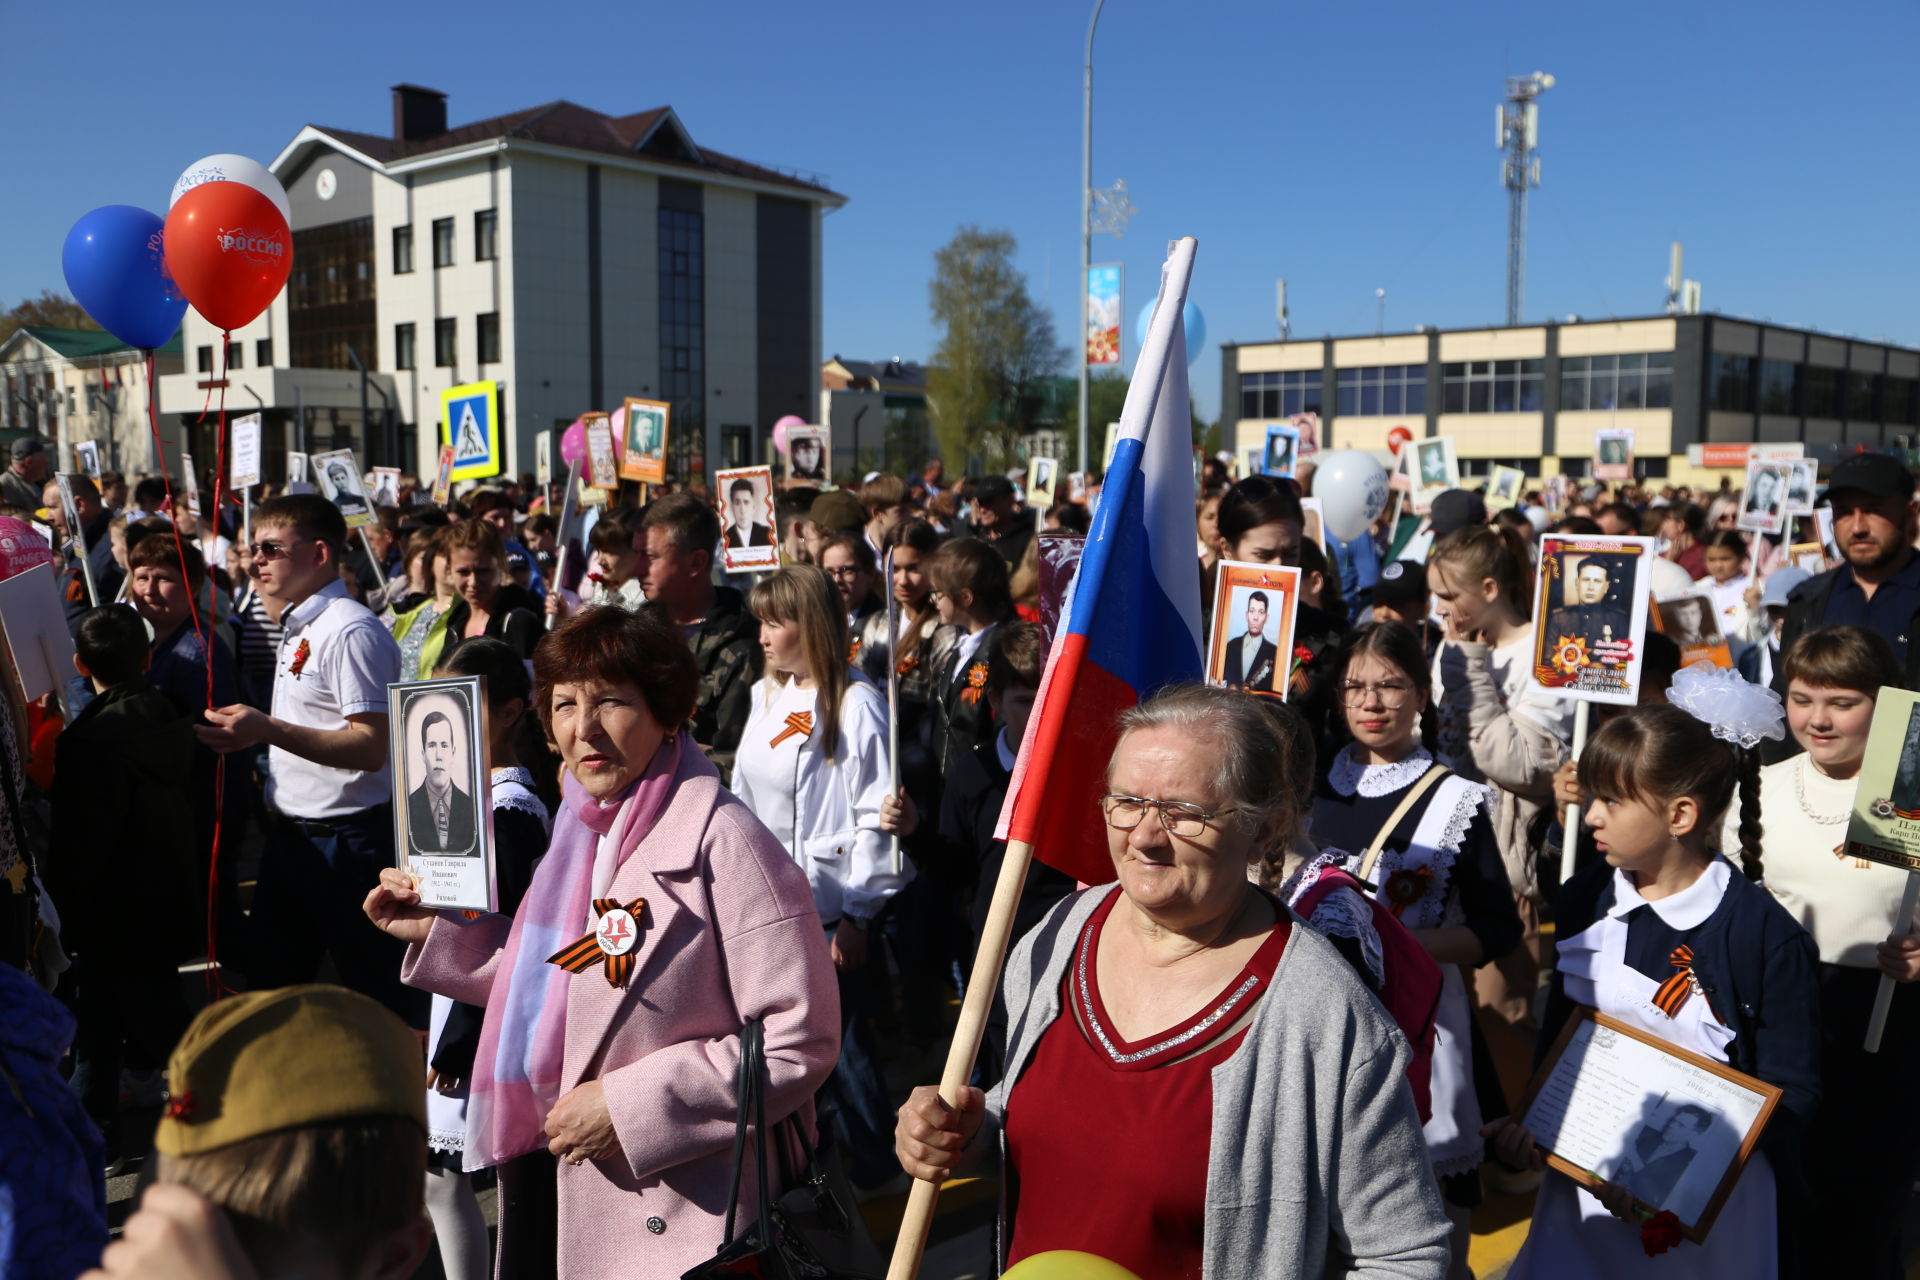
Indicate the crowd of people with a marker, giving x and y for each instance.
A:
(1292, 1035)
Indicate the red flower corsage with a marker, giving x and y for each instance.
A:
(1297, 676)
(853, 651)
(300, 657)
(1660, 1232)
(905, 666)
(1404, 888)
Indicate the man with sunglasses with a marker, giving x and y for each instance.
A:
(329, 788)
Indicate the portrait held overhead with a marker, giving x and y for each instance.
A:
(581, 699)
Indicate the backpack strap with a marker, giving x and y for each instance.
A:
(1418, 789)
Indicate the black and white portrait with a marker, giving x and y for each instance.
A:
(1040, 482)
(808, 451)
(338, 476)
(744, 497)
(1660, 1153)
(386, 486)
(1764, 508)
(442, 803)
(1690, 621)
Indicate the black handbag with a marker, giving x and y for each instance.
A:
(809, 1233)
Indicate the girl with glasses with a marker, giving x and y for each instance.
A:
(1420, 837)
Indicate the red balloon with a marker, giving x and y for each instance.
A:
(1397, 438)
(229, 250)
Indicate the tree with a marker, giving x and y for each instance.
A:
(1106, 397)
(49, 310)
(996, 344)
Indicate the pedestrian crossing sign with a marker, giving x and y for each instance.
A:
(470, 422)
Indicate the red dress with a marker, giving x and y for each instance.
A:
(1107, 1139)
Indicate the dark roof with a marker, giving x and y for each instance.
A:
(568, 124)
(899, 373)
(78, 344)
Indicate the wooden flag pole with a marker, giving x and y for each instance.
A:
(911, 1243)
(1883, 998)
(1570, 829)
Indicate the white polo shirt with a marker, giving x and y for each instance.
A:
(334, 661)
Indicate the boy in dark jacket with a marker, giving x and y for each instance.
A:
(120, 861)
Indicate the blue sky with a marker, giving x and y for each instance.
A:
(1345, 147)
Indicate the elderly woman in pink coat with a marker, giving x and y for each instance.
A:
(661, 919)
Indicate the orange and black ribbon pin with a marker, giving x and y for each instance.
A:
(976, 683)
(799, 723)
(614, 940)
(1675, 991)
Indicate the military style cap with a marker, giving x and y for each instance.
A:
(265, 1061)
(837, 511)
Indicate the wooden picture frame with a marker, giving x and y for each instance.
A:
(646, 424)
(1619, 1052)
(1239, 589)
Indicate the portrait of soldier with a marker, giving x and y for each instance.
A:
(1592, 616)
(440, 816)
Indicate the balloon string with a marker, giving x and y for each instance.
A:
(215, 985)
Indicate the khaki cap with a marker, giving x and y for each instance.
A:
(837, 511)
(270, 1060)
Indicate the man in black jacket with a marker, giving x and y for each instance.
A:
(1875, 523)
(1000, 521)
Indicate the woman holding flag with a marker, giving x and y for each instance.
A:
(1193, 1086)
(663, 917)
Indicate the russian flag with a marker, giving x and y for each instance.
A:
(1133, 611)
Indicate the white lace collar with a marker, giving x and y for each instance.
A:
(1348, 775)
(1687, 909)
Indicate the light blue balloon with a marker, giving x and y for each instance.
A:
(1189, 315)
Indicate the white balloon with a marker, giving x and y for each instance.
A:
(1352, 489)
(231, 168)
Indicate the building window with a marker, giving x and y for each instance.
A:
(486, 225)
(1862, 400)
(203, 359)
(487, 326)
(444, 339)
(1393, 389)
(1279, 395)
(330, 309)
(404, 356)
(443, 242)
(1779, 387)
(1493, 386)
(1821, 388)
(1732, 383)
(234, 352)
(683, 345)
(402, 250)
(263, 354)
(1641, 381)
(1903, 397)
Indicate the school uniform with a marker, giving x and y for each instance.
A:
(963, 718)
(1753, 1002)
(332, 829)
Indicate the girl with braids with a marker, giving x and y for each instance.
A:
(1496, 725)
(1417, 835)
(1860, 1179)
(1670, 937)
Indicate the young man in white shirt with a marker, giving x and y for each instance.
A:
(328, 786)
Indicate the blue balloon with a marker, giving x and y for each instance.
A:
(1189, 315)
(115, 267)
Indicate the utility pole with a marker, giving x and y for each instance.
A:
(1086, 223)
(1517, 133)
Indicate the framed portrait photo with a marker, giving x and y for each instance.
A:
(1251, 646)
(1763, 504)
(1282, 449)
(1613, 1104)
(1692, 622)
(603, 462)
(86, 459)
(646, 453)
(297, 473)
(442, 790)
(338, 474)
(1613, 453)
(744, 496)
(1313, 524)
(1803, 476)
(542, 459)
(1435, 469)
(1503, 488)
(1590, 612)
(386, 486)
(1042, 481)
(810, 454)
(443, 476)
(1885, 826)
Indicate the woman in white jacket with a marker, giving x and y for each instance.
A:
(813, 767)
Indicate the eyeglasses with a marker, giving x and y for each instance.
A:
(273, 548)
(843, 572)
(1124, 813)
(1392, 696)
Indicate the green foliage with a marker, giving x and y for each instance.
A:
(996, 345)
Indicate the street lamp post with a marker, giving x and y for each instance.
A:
(1086, 223)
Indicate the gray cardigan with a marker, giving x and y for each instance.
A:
(1317, 1166)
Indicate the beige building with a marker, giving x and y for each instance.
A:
(1533, 396)
(73, 385)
